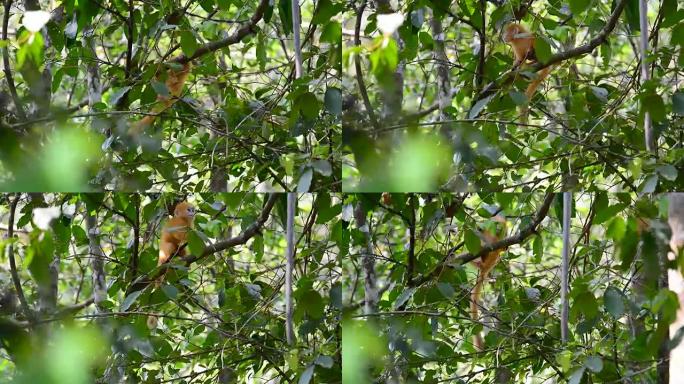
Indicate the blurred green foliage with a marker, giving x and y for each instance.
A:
(66, 159)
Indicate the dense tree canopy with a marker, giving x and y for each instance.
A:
(412, 318)
(77, 285)
(435, 103)
(79, 75)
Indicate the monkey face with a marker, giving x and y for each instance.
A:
(515, 31)
(184, 210)
(509, 31)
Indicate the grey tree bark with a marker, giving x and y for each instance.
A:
(289, 267)
(97, 257)
(565, 260)
(442, 66)
(645, 73)
(393, 89)
(370, 301)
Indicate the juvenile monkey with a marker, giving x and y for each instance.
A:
(175, 232)
(175, 81)
(485, 265)
(522, 42)
(173, 236)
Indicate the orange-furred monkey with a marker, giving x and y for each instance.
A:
(485, 265)
(522, 42)
(173, 237)
(175, 231)
(175, 81)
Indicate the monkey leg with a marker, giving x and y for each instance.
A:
(166, 250)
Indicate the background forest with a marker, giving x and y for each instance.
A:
(433, 101)
(408, 282)
(76, 288)
(79, 76)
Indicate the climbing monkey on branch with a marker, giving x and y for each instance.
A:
(172, 243)
(176, 75)
(485, 265)
(521, 41)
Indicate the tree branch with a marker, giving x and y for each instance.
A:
(590, 46)
(143, 281)
(359, 72)
(599, 39)
(504, 243)
(236, 37)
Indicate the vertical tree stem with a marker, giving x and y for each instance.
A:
(567, 205)
(289, 267)
(645, 75)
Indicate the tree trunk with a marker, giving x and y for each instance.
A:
(289, 268)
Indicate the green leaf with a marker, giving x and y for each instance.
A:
(258, 248)
(616, 229)
(308, 105)
(384, 59)
(586, 304)
(224, 5)
(404, 297)
(326, 10)
(564, 359)
(478, 107)
(261, 52)
(542, 49)
(130, 299)
(446, 290)
(333, 101)
(538, 248)
(613, 301)
(160, 88)
(304, 182)
(654, 104)
(195, 243)
(170, 291)
(594, 363)
(472, 241)
(426, 39)
(579, 6)
(322, 167)
(518, 98)
(331, 33)
(576, 376)
(207, 5)
(632, 15)
(678, 103)
(285, 12)
(39, 256)
(649, 185)
(605, 214)
(312, 303)
(188, 42)
(325, 361)
(306, 376)
(667, 171)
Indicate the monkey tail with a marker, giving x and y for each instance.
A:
(474, 310)
(153, 320)
(541, 76)
(531, 89)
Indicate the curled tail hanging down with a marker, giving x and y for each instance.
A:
(474, 310)
(532, 89)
